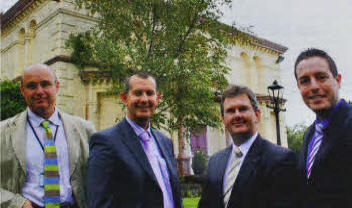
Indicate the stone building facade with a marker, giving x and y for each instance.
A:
(35, 31)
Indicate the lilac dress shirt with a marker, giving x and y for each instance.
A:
(166, 186)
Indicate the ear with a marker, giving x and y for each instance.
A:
(338, 80)
(222, 118)
(22, 90)
(257, 115)
(158, 97)
(57, 86)
(124, 98)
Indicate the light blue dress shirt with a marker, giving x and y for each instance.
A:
(33, 187)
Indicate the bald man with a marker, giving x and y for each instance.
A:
(43, 150)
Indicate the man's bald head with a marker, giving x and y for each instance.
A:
(37, 67)
(39, 87)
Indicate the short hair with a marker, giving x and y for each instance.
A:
(234, 90)
(39, 66)
(311, 52)
(143, 75)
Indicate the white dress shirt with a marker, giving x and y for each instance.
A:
(244, 148)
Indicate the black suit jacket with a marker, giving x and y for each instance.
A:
(119, 173)
(330, 182)
(267, 178)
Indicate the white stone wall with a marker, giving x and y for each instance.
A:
(39, 34)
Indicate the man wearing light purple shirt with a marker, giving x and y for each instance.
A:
(22, 141)
(132, 164)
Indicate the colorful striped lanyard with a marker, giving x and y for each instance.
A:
(36, 136)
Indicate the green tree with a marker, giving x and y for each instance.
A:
(295, 137)
(12, 101)
(181, 42)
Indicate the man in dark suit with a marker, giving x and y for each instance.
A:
(252, 172)
(326, 157)
(132, 164)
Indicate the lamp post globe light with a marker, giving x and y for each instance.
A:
(275, 92)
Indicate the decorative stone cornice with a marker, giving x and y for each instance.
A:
(254, 42)
(17, 13)
(266, 99)
(95, 76)
(260, 98)
(59, 58)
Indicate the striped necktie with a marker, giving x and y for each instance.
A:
(232, 175)
(317, 139)
(51, 170)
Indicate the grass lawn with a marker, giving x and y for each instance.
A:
(190, 202)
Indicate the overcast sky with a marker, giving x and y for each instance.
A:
(296, 24)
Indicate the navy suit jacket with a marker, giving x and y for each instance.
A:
(119, 173)
(267, 178)
(330, 181)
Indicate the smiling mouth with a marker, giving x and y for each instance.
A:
(317, 98)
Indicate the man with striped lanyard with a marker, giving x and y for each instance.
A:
(44, 159)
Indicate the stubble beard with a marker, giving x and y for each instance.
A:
(240, 138)
(325, 112)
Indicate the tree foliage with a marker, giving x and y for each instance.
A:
(295, 137)
(12, 101)
(179, 41)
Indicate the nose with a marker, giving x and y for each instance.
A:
(144, 97)
(39, 90)
(237, 114)
(314, 86)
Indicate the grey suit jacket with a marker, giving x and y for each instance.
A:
(13, 157)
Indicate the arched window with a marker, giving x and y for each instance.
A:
(245, 59)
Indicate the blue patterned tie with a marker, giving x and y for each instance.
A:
(317, 139)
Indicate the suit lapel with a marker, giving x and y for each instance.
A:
(219, 171)
(163, 146)
(72, 139)
(163, 150)
(331, 135)
(307, 138)
(133, 143)
(19, 139)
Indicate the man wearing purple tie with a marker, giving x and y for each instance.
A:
(132, 164)
(326, 156)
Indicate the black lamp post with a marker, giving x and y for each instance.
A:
(276, 93)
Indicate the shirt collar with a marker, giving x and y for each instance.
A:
(244, 147)
(138, 129)
(37, 120)
(326, 121)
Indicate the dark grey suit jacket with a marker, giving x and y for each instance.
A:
(119, 173)
(330, 181)
(267, 178)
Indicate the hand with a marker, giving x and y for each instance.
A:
(27, 204)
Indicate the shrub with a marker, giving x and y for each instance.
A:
(199, 163)
(12, 101)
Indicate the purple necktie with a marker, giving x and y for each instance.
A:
(159, 168)
(317, 139)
